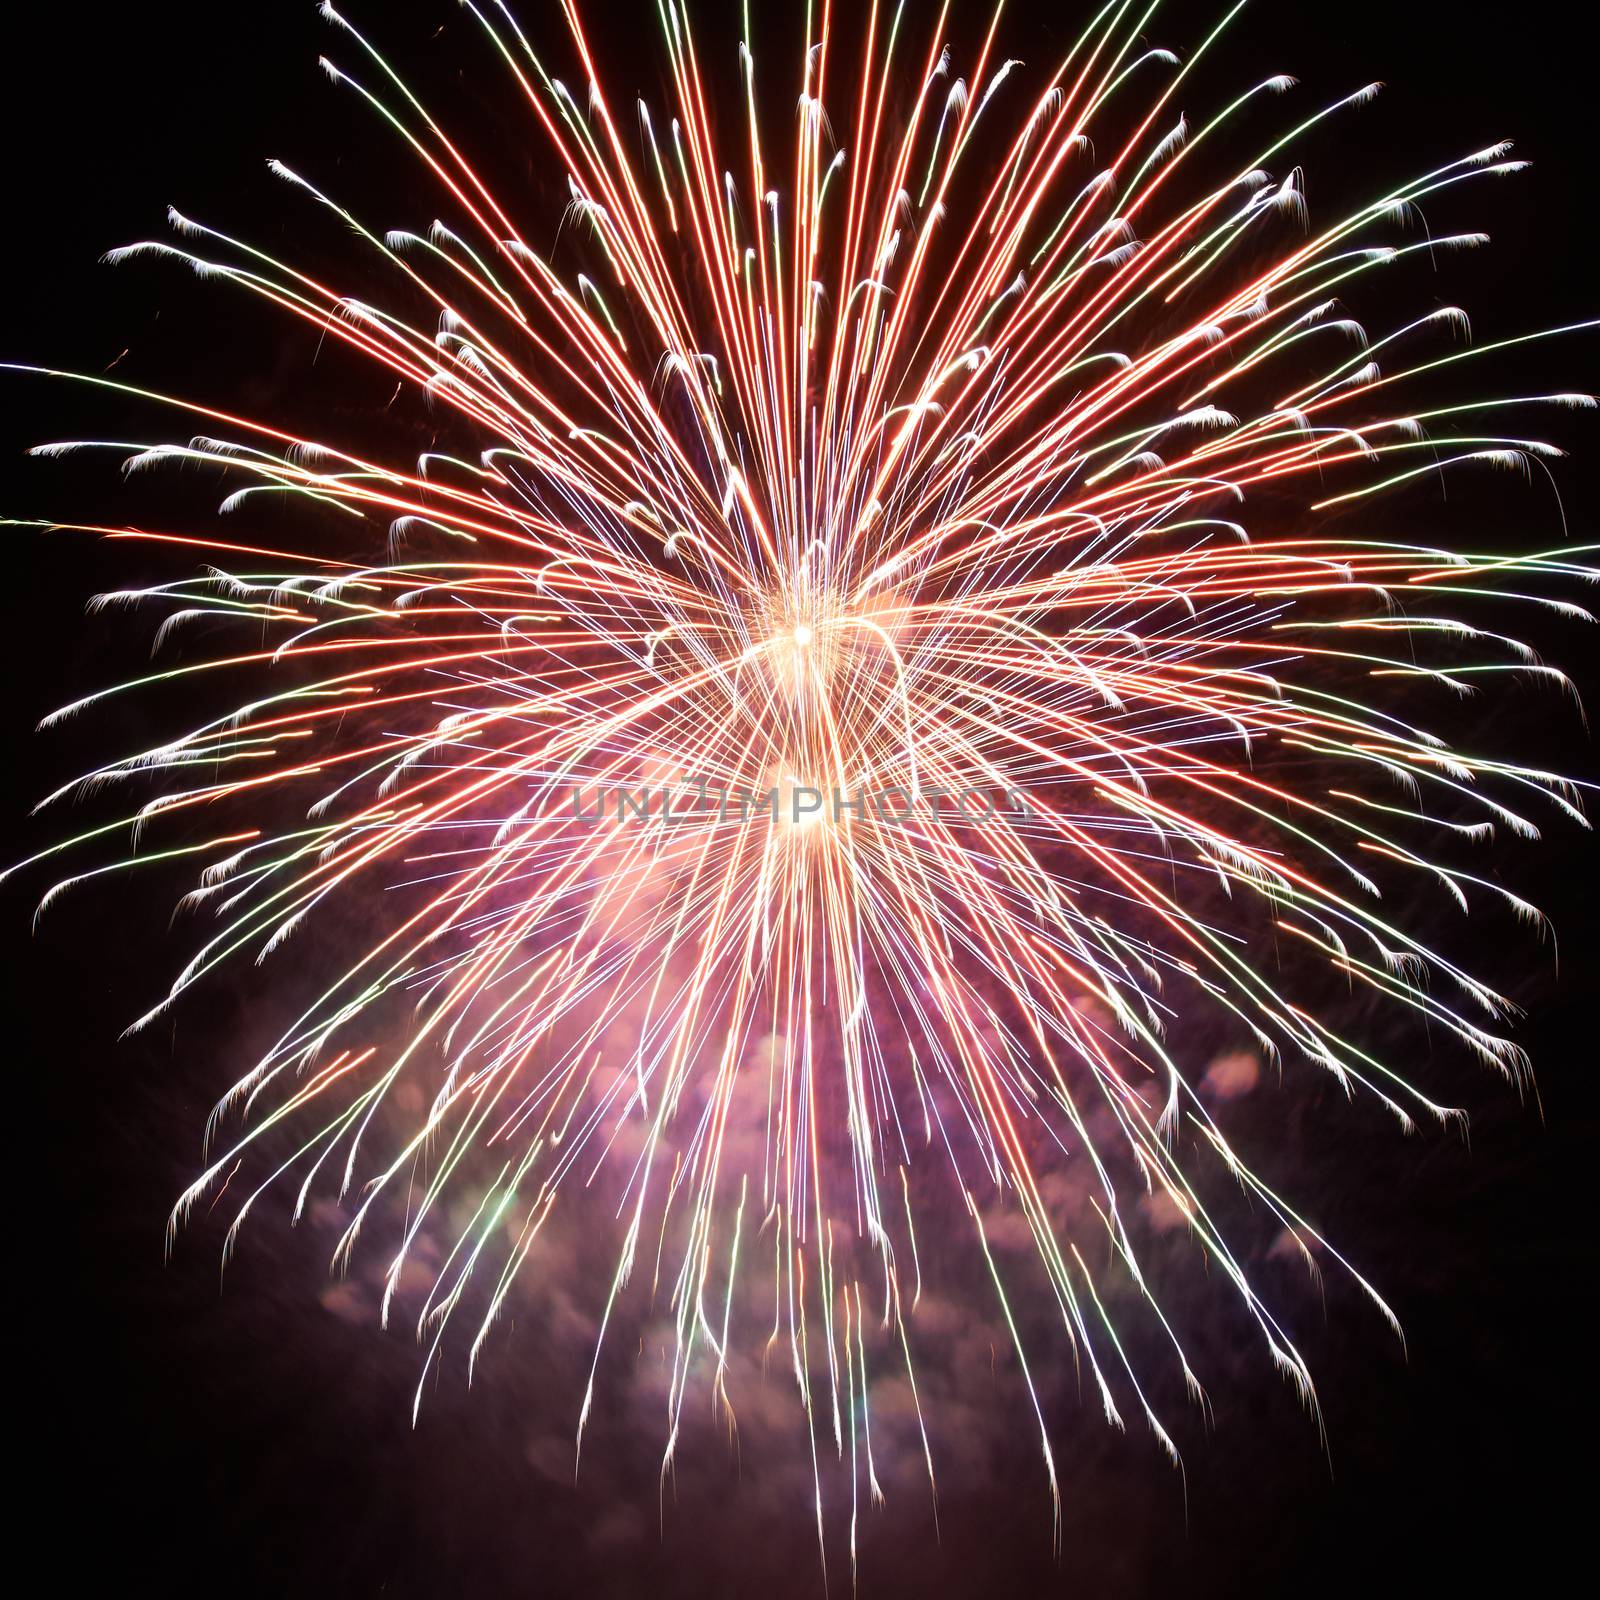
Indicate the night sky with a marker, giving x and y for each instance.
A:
(183, 1436)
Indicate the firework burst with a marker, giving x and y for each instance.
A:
(877, 671)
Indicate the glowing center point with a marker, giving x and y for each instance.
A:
(802, 636)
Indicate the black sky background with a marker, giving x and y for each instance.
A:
(179, 1439)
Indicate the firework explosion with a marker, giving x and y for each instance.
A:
(961, 444)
